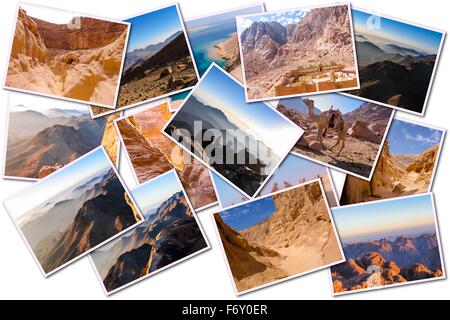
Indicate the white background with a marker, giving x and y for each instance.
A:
(206, 276)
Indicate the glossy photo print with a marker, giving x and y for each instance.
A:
(151, 154)
(244, 143)
(45, 134)
(396, 60)
(407, 164)
(278, 237)
(66, 55)
(73, 211)
(169, 235)
(388, 243)
(297, 52)
(344, 133)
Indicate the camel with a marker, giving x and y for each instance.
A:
(330, 119)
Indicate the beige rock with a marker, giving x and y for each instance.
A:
(315, 146)
(360, 130)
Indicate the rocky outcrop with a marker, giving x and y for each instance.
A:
(170, 234)
(46, 170)
(375, 116)
(148, 161)
(425, 162)
(79, 33)
(58, 66)
(110, 139)
(360, 130)
(98, 219)
(383, 262)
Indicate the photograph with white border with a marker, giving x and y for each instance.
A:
(388, 243)
(170, 234)
(278, 237)
(73, 211)
(243, 143)
(66, 55)
(297, 52)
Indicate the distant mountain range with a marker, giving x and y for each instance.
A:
(167, 236)
(138, 56)
(82, 219)
(407, 258)
(36, 140)
(247, 176)
(394, 74)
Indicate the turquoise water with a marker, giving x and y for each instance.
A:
(204, 39)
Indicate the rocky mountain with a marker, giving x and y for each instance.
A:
(98, 219)
(47, 142)
(394, 75)
(301, 216)
(269, 45)
(110, 139)
(138, 56)
(81, 63)
(404, 259)
(148, 161)
(394, 175)
(372, 114)
(246, 259)
(169, 235)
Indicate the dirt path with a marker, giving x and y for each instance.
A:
(299, 259)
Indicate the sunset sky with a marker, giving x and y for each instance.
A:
(380, 219)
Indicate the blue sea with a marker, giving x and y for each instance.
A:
(204, 39)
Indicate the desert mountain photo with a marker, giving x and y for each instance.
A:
(228, 135)
(342, 132)
(80, 59)
(387, 243)
(41, 139)
(152, 154)
(395, 73)
(402, 169)
(158, 61)
(77, 215)
(297, 52)
(275, 237)
(169, 234)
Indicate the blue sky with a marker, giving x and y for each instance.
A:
(217, 19)
(344, 103)
(70, 176)
(153, 27)
(151, 194)
(399, 33)
(409, 138)
(247, 215)
(376, 220)
(228, 195)
(284, 18)
(220, 91)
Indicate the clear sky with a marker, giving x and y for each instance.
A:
(344, 103)
(247, 215)
(151, 194)
(67, 178)
(153, 27)
(376, 220)
(263, 122)
(17, 102)
(52, 15)
(228, 195)
(409, 138)
(398, 33)
(284, 18)
(216, 19)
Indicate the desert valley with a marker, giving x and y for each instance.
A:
(297, 52)
(79, 59)
(406, 165)
(151, 154)
(342, 132)
(278, 236)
